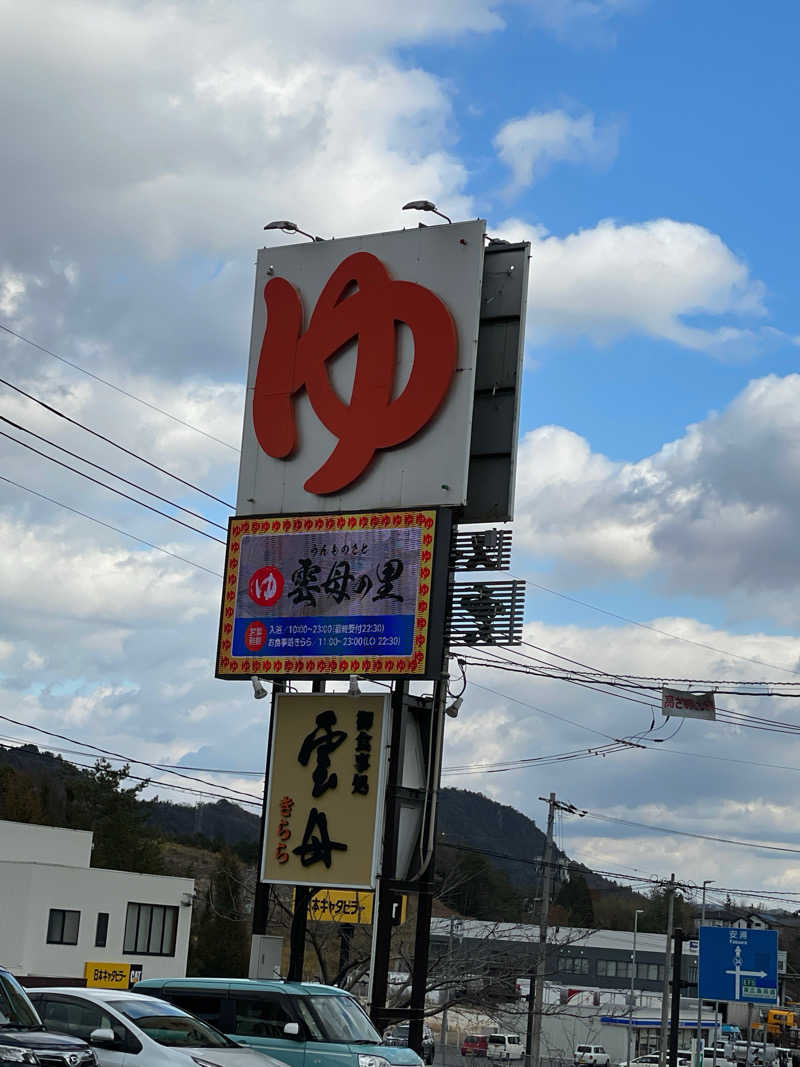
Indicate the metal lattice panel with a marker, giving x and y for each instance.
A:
(481, 550)
(486, 613)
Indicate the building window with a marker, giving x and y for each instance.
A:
(614, 968)
(62, 927)
(575, 964)
(150, 930)
(651, 972)
(101, 930)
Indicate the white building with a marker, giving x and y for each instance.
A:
(58, 914)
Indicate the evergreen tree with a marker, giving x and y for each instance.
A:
(472, 886)
(654, 917)
(20, 799)
(575, 898)
(220, 941)
(122, 839)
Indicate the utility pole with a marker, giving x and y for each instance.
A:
(448, 991)
(631, 1002)
(664, 1036)
(675, 1014)
(698, 1042)
(536, 992)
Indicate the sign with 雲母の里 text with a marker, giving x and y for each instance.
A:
(360, 593)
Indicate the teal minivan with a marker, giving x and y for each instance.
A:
(301, 1023)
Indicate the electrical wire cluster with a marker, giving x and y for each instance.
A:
(531, 660)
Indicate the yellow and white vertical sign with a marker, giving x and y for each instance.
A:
(325, 790)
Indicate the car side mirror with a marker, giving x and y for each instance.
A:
(291, 1029)
(104, 1037)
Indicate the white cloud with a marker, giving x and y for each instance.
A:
(529, 146)
(12, 290)
(582, 21)
(715, 511)
(188, 137)
(650, 278)
(705, 779)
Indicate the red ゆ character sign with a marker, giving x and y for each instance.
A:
(359, 301)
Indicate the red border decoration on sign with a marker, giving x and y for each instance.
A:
(240, 636)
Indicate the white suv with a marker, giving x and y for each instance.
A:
(595, 1055)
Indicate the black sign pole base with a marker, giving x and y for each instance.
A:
(422, 934)
(261, 900)
(379, 985)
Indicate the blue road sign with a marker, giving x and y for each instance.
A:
(739, 965)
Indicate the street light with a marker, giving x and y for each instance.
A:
(289, 227)
(425, 205)
(698, 1047)
(636, 915)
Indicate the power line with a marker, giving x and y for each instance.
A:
(119, 755)
(539, 761)
(111, 488)
(137, 778)
(662, 679)
(656, 630)
(542, 711)
(107, 470)
(688, 833)
(651, 747)
(108, 526)
(724, 715)
(113, 443)
(116, 388)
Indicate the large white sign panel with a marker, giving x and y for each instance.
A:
(362, 372)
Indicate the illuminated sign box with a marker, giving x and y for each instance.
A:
(311, 595)
(326, 789)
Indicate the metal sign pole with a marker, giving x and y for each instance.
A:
(419, 976)
(382, 915)
(262, 891)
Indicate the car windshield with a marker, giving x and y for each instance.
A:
(498, 1039)
(339, 1018)
(170, 1026)
(15, 1008)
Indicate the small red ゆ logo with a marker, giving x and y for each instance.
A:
(360, 301)
(266, 586)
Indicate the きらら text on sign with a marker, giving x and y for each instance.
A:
(323, 595)
(362, 372)
(326, 786)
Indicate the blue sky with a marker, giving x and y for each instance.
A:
(648, 152)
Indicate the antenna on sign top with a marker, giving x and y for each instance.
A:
(290, 227)
(425, 205)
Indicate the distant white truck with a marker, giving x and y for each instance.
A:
(504, 1047)
(590, 1056)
